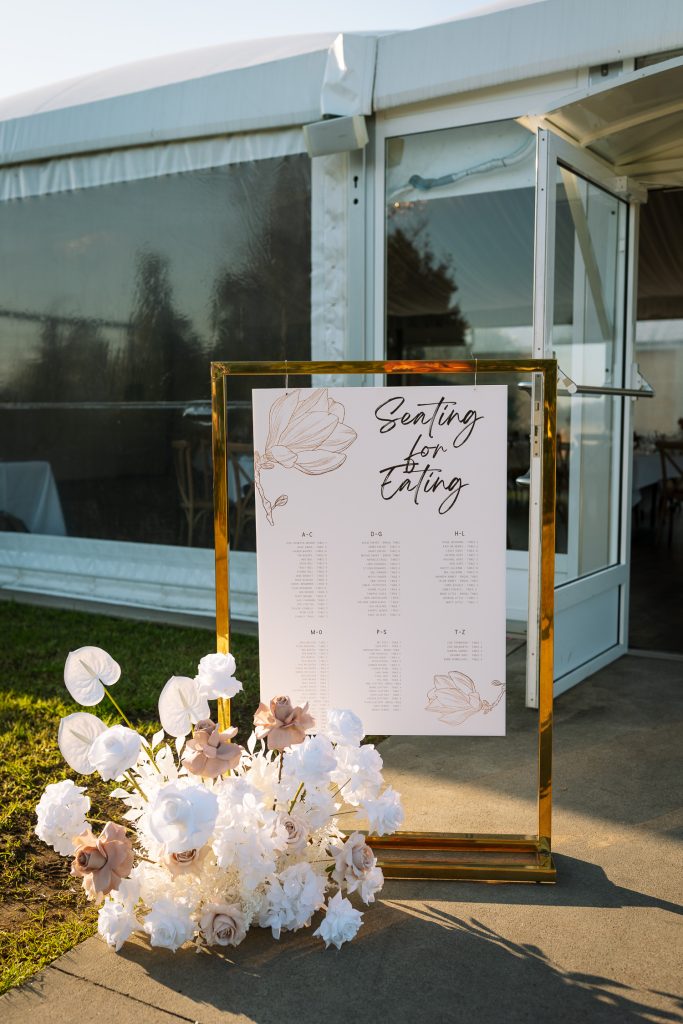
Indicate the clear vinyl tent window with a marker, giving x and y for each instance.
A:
(113, 302)
(460, 211)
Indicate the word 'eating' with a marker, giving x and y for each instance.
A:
(417, 473)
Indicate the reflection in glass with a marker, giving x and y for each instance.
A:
(460, 260)
(113, 302)
(587, 339)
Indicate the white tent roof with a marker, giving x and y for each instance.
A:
(221, 90)
(277, 83)
(525, 42)
(170, 69)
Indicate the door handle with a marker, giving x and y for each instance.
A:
(587, 389)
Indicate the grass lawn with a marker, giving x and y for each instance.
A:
(43, 911)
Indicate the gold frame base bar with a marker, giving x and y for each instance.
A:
(471, 856)
(467, 857)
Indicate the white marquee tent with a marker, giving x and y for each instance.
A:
(152, 180)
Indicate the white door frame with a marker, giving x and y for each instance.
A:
(610, 584)
(549, 147)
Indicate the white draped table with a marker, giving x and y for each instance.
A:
(647, 471)
(29, 492)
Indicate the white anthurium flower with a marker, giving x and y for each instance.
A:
(216, 677)
(85, 672)
(181, 705)
(77, 733)
(114, 751)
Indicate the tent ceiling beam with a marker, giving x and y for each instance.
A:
(633, 121)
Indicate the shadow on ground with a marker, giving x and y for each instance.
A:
(417, 961)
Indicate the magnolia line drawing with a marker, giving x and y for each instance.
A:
(455, 698)
(308, 434)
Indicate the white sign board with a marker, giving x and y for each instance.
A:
(381, 537)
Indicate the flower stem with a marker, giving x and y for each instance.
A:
(101, 821)
(132, 781)
(338, 791)
(296, 797)
(145, 744)
(279, 771)
(128, 723)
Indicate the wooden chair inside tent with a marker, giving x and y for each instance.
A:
(195, 487)
(671, 497)
(241, 488)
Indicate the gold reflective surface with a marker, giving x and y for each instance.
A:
(475, 856)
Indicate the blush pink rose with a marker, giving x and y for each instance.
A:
(353, 861)
(223, 924)
(282, 723)
(102, 861)
(297, 832)
(189, 862)
(210, 752)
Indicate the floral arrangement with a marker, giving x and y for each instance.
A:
(216, 837)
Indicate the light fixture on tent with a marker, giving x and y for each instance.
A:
(336, 135)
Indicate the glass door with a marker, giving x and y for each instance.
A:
(581, 317)
(457, 270)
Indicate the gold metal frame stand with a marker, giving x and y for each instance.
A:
(492, 858)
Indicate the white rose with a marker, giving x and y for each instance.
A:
(312, 761)
(181, 705)
(86, 670)
(344, 727)
(116, 923)
(182, 817)
(216, 676)
(114, 751)
(384, 814)
(341, 922)
(371, 884)
(169, 925)
(61, 815)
